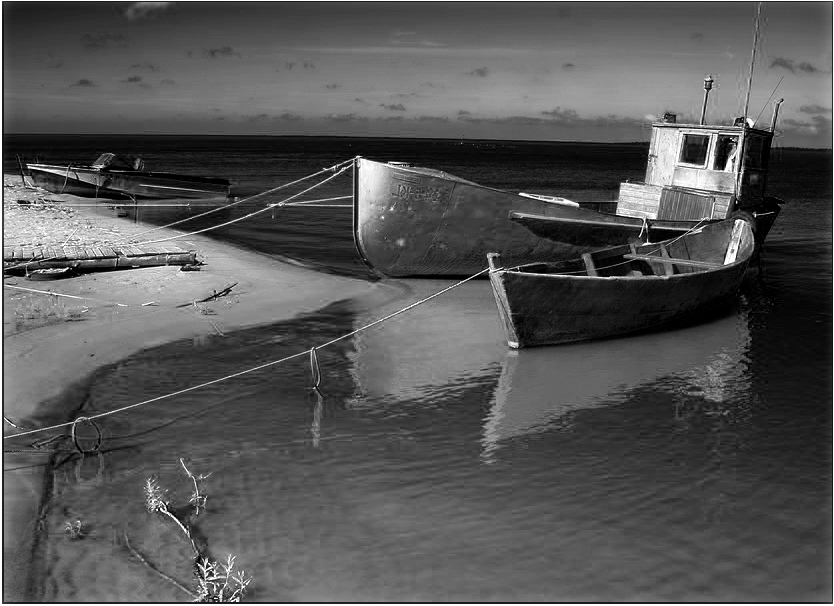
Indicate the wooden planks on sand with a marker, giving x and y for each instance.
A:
(93, 257)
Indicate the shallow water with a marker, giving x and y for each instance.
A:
(685, 465)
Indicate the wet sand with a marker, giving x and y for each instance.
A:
(118, 313)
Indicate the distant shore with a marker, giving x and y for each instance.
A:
(52, 343)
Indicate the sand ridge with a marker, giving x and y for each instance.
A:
(117, 313)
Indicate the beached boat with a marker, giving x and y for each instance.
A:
(411, 221)
(112, 176)
(622, 289)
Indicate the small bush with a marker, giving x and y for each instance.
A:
(75, 531)
(219, 582)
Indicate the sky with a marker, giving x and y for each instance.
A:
(563, 71)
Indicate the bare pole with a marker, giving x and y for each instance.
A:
(707, 87)
(752, 60)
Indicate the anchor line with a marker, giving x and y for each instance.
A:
(310, 352)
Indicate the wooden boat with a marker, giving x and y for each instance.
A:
(112, 176)
(412, 221)
(622, 289)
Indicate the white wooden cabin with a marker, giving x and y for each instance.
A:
(693, 172)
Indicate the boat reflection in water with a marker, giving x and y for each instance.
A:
(450, 341)
(541, 389)
(454, 344)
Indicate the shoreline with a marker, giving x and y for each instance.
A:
(116, 314)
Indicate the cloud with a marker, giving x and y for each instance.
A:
(264, 117)
(84, 82)
(808, 68)
(290, 65)
(568, 67)
(562, 115)
(464, 112)
(431, 119)
(346, 118)
(133, 79)
(103, 41)
(143, 10)
(225, 51)
(167, 81)
(146, 66)
(818, 126)
(555, 117)
(401, 38)
(791, 66)
(815, 109)
(481, 72)
(697, 36)
(397, 107)
(517, 120)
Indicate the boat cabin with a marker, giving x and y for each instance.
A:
(697, 171)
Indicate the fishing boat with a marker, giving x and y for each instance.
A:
(412, 221)
(123, 177)
(622, 289)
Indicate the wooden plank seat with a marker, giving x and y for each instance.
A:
(671, 260)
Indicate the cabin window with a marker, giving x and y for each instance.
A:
(694, 149)
(726, 153)
(754, 156)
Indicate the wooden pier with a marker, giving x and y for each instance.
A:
(92, 258)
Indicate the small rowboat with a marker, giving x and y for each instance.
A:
(118, 177)
(53, 273)
(623, 289)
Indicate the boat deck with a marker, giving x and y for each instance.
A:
(96, 257)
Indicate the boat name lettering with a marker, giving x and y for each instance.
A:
(410, 192)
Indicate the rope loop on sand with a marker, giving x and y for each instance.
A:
(310, 352)
(75, 436)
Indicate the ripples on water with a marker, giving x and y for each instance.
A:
(686, 465)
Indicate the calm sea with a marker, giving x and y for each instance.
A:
(687, 465)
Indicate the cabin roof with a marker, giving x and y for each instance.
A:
(712, 128)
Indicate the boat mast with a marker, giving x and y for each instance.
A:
(752, 61)
(743, 139)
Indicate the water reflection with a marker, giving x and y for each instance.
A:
(543, 388)
(453, 340)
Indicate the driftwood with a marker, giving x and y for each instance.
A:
(214, 295)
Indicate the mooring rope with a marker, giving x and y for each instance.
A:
(333, 168)
(341, 167)
(250, 215)
(249, 370)
(56, 294)
(305, 202)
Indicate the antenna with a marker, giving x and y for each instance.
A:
(752, 59)
(769, 98)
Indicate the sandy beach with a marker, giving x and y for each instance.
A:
(52, 343)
